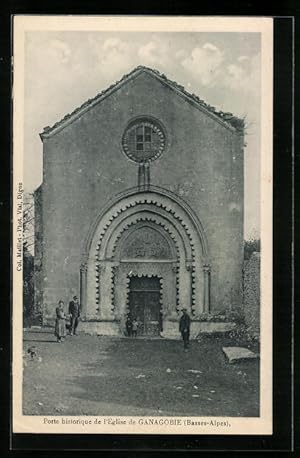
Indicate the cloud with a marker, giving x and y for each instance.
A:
(179, 54)
(60, 50)
(115, 46)
(235, 72)
(209, 65)
(244, 75)
(154, 53)
(148, 51)
(243, 58)
(111, 57)
(204, 63)
(210, 47)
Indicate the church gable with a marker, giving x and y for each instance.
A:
(228, 120)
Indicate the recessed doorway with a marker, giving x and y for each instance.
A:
(144, 304)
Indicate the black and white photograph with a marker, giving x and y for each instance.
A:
(142, 291)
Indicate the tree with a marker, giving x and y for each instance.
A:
(28, 222)
(28, 259)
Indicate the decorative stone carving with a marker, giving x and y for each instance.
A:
(146, 218)
(206, 270)
(83, 267)
(143, 140)
(188, 266)
(170, 217)
(146, 243)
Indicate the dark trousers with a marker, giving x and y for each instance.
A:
(74, 324)
(185, 338)
(134, 333)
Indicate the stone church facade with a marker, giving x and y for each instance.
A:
(140, 210)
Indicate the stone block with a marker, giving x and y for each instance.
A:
(237, 354)
(100, 328)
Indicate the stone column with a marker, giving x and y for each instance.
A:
(206, 273)
(107, 291)
(170, 291)
(83, 280)
(189, 268)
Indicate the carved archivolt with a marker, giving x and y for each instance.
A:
(145, 218)
(130, 225)
(138, 210)
(169, 216)
(181, 242)
(157, 196)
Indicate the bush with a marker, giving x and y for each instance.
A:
(242, 335)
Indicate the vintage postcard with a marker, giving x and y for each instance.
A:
(142, 225)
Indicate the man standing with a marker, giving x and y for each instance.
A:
(74, 311)
(184, 328)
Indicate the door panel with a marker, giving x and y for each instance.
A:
(136, 307)
(151, 313)
(144, 304)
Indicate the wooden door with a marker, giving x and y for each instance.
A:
(144, 304)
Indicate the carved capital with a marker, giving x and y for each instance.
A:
(100, 268)
(206, 268)
(83, 267)
(188, 266)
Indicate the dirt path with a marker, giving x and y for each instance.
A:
(89, 375)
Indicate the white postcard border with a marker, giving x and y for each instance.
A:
(136, 425)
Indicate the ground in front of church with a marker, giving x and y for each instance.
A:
(90, 375)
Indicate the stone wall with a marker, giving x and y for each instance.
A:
(252, 293)
(85, 168)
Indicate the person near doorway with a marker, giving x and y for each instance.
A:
(60, 322)
(74, 312)
(135, 325)
(129, 326)
(184, 328)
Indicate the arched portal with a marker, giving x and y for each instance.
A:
(145, 279)
(147, 257)
(149, 234)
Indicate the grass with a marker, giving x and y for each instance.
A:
(90, 375)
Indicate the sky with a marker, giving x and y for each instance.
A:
(64, 69)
